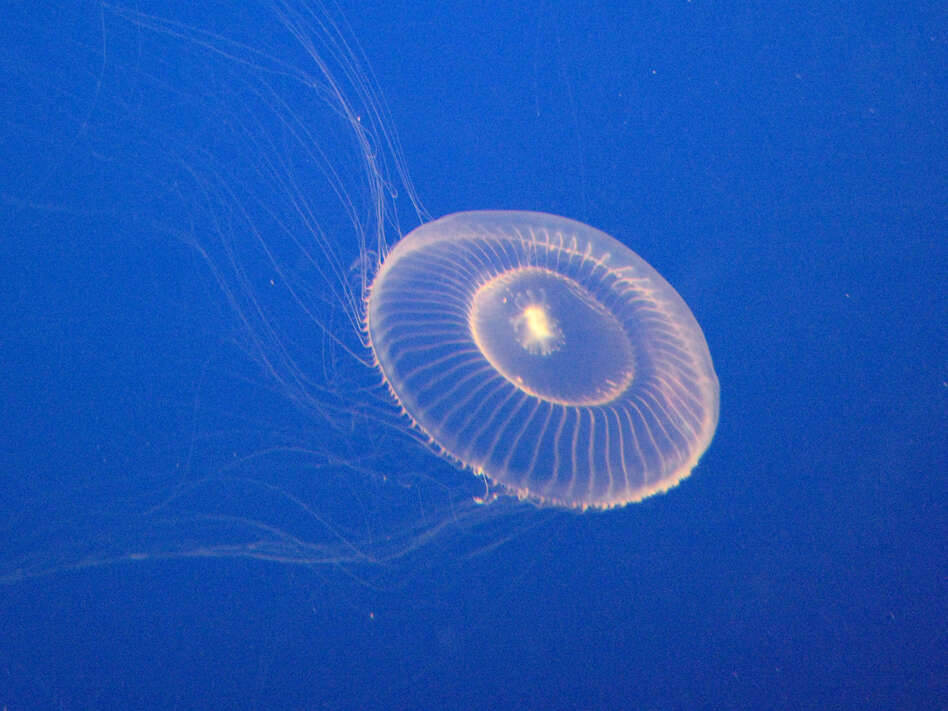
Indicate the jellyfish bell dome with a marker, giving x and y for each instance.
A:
(546, 355)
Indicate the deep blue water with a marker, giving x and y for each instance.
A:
(174, 415)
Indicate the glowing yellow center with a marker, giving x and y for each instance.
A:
(538, 323)
(537, 331)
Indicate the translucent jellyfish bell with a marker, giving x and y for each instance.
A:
(546, 355)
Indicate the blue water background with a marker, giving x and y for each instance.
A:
(781, 164)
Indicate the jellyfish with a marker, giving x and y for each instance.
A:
(249, 166)
(545, 355)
